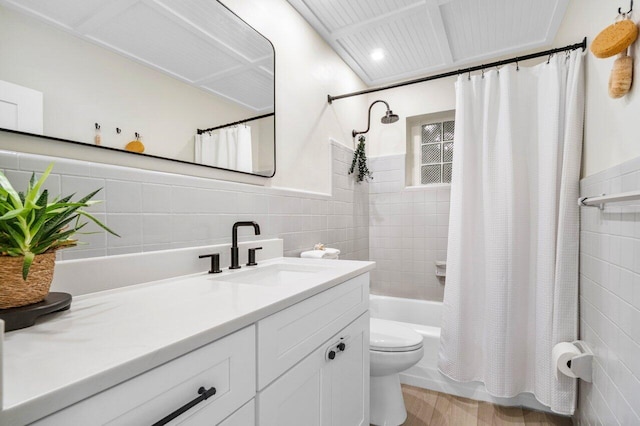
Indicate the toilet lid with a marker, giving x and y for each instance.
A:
(390, 336)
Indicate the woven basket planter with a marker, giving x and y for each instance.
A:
(14, 291)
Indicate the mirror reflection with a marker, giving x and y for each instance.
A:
(185, 80)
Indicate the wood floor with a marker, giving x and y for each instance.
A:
(425, 407)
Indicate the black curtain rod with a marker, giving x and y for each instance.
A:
(201, 131)
(582, 45)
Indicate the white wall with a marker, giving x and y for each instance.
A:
(610, 299)
(307, 69)
(611, 125)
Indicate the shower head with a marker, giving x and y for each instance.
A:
(389, 117)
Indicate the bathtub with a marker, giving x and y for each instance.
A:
(424, 317)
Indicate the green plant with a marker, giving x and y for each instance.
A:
(31, 225)
(360, 159)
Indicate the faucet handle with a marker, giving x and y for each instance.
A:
(252, 256)
(215, 262)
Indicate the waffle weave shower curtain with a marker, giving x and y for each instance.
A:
(512, 265)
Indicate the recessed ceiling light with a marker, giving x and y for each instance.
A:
(377, 54)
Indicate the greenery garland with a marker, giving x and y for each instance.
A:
(360, 158)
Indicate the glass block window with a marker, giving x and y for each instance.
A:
(437, 152)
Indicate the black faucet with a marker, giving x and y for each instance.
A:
(235, 264)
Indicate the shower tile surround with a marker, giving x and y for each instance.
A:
(408, 228)
(610, 299)
(158, 211)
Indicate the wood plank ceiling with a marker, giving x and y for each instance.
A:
(390, 40)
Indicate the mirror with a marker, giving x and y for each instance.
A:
(185, 80)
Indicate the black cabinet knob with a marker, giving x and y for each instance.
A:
(332, 354)
(341, 346)
(215, 262)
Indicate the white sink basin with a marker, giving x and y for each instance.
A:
(274, 275)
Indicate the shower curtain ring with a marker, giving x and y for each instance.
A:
(517, 65)
(469, 76)
(549, 58)
(482, 70)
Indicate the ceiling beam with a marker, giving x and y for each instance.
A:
(437, 23)
(107, 12)
(376, 20)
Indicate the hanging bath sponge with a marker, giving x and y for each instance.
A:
(614, 39)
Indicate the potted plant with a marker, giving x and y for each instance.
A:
(32, 228)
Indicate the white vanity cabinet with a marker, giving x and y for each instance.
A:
(305, 362)
(323, 389)
(320, 349)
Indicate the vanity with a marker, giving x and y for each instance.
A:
(282, 343)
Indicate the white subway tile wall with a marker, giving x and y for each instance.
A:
(610, 299)
(158, 211)
(408, 230)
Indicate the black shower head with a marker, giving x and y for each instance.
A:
(389, 117)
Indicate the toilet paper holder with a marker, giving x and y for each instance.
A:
(582, 365)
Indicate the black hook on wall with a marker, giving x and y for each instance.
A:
(629, 12)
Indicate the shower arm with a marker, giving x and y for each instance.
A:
(355, 133)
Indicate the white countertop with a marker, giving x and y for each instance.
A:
(111, 336)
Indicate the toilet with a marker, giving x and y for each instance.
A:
(393, 348)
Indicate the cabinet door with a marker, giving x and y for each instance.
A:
(350, 376)
(323, 390)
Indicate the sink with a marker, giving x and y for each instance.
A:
(274, 275)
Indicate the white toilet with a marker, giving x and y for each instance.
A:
(393, 348)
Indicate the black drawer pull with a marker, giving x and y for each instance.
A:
(204, 394)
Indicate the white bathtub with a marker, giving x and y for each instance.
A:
(424, 317)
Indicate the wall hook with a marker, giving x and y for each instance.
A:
(629, 12)
(97, 126)
(118, 130)
(137, 136)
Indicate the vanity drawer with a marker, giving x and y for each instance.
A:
(288, 336)
(227, 364)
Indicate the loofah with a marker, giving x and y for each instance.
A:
(621, 76)
(135, 146)
(614, 39)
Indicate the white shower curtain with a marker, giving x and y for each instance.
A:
(512, 266)
(206, 146)
(229, 148)
(245, 157)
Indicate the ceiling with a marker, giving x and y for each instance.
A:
(197, 41)
(390, 40)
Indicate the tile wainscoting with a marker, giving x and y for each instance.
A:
(408, 228)
(610, 299)
(158, 211)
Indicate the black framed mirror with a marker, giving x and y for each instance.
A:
(182, 80)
